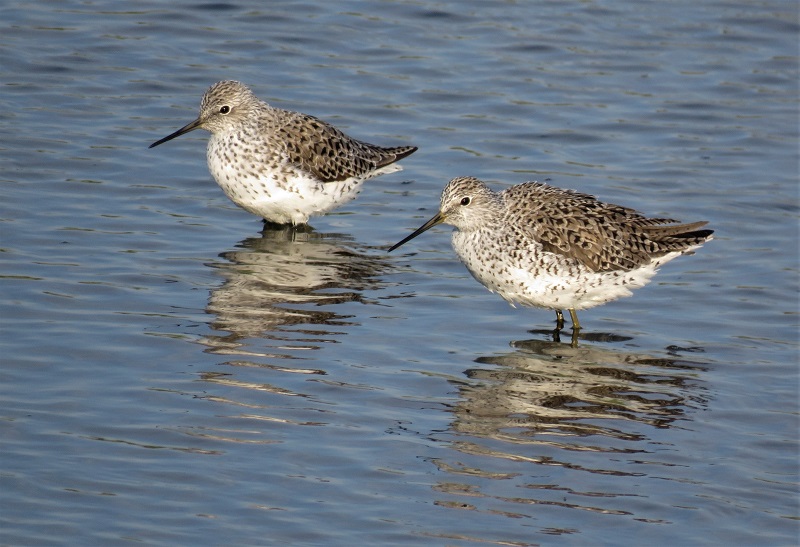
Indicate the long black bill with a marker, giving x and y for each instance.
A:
(185, 129)
(438, 219)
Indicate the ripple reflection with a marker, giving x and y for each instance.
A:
(565, 424)
(273, 308)
(271, 282)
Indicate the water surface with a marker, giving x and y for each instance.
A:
(173, 375)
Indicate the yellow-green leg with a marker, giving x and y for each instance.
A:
(559, 320)
(576, 325)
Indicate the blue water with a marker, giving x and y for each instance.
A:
(173, 376)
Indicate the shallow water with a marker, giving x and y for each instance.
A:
(173, 376)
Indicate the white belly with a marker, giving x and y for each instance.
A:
(546, 280)
(285, 200)
(265, 186)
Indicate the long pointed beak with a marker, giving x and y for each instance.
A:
(185, 129)
(437, 219)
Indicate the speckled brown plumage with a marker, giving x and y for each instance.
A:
(601, 236)
(538, 245)
(284, 166)
(328, 153)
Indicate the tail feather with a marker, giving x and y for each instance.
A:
(391, 155)
(680, 237)
(678, 230)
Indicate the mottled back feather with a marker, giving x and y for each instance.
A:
(329, 154)
(602, 236)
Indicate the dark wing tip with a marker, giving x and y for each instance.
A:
(700, 234)
(403, 152)
(389, 156)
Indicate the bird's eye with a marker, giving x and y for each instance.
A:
(224, 109)
(465, 201)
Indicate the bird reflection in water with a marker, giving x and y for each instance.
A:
(556, 336)
(552, 418)
(272, 283)
(275, 303)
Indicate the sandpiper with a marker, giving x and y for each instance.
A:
(542, 246)
(281, 165)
